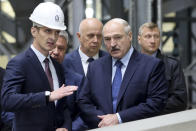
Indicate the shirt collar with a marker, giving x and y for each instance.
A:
(125, 59)
(84, 57)
(39, 55)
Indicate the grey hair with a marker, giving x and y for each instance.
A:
(149, 25)
(64, 34)
(127, 27)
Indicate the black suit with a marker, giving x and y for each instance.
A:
(177, 97)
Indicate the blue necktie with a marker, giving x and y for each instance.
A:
(116, 83)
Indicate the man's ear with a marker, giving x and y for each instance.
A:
(130, 36)
(78, 35)
(138, 39)
(34, 31)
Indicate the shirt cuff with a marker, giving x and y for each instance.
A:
(119, 119)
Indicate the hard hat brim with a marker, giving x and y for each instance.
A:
(49, 26)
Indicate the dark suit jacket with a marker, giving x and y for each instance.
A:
(72, 64)
(143, 91)
(72, 78)
(72, 61)
(23, 93)
(2, 72)
(2, 125)
(177, 95)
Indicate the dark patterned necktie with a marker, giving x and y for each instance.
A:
(90, 59)
(48, 73)
(116, 84)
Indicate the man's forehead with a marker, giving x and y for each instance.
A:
(94, 32)
(150, 30)
(46, 28)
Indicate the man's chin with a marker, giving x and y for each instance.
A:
(94, 51)
(116, 56)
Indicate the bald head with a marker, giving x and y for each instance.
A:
(90, 36)
(90, 23)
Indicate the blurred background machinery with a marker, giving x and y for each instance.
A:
(176, 19)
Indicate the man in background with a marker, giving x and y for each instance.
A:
(58, 53)
(71, 78)
(149, 40)
(90, 39)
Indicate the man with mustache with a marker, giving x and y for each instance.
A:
(149, 40)
(124, 86)
(33, 83)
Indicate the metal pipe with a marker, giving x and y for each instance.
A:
(159, 19)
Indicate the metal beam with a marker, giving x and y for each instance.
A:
(7, 24)
(177, 5)
(117, 9)
(78, 14)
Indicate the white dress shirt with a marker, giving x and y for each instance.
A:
(41, 58)
(84, 59)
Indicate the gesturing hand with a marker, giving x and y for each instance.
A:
(62, 92)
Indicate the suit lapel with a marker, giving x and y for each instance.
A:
(37, 66)
(131, 68)
(58, 72)
(78, 63)
(107, 80)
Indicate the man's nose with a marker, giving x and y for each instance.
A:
(95, 39)
(54, 36)
(55, 51)
(113, 42)
(152, 39)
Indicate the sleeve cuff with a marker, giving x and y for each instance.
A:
(119, 119)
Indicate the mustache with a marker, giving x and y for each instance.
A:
(115, 49)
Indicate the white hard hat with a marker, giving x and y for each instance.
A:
(49, 15)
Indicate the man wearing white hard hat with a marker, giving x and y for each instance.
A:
(33, 84)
